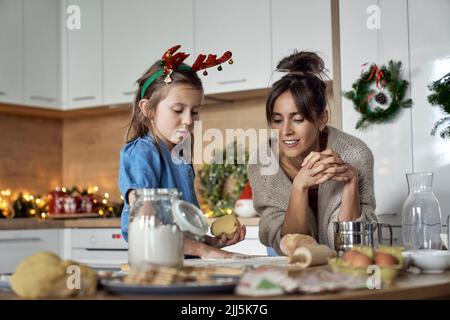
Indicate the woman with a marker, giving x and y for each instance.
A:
(324, 175)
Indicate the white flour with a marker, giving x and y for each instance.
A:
(158, 245)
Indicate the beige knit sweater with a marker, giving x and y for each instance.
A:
(272, 192)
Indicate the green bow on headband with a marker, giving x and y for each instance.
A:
(156, 75)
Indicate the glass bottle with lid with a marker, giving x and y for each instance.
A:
(158, 222)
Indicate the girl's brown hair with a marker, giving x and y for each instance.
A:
(304, 79)
(140, 123)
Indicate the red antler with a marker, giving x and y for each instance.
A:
(211, 61)
(172, 61)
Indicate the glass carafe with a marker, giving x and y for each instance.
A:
(153, 236)
(421, 214)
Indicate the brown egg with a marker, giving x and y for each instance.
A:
(357, 259)
(385, 259)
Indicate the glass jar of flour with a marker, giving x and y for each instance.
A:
(159, 220)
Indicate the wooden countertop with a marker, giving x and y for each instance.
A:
(408, 286)
(32, 223)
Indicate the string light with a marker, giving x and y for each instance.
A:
(37, 206)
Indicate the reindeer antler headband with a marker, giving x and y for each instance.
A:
(172, 61)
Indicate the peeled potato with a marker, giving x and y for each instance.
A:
(290, 242)
(227, 225)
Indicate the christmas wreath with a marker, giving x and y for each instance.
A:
(379, 94)
(215, 176)
(441, 97)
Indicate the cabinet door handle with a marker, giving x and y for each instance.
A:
(20, 239)
(105, 249)
(42, 98)
(2, 93)
(232, 81)
(128, 93)
(84, 98)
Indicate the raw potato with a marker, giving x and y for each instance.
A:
(227, 225)
(290, 242)
(45, 275)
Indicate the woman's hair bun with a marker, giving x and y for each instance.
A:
(302, 62)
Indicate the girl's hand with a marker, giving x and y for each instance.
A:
(221, 242)
(214, 253)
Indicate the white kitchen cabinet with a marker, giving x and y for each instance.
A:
(135, 35)
(41, 64)
(391, 144)
(82, 53)
(11, 51)
(98, 248)
(301, 25)
(242, 27)
(16, 245)
(430, 61)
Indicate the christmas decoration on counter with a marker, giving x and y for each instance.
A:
(61, 202)
(440, 97)
(6, 208)
(215, 176)
(244, 206)
(379, 94)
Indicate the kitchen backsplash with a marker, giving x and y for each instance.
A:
(30, 153)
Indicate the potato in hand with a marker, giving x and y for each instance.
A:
(227, 225)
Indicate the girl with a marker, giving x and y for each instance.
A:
(167, 103)
(326, 175)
